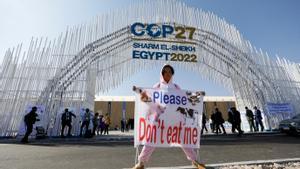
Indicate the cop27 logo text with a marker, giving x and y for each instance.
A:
(163, 30)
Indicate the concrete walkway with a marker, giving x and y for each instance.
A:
(128, 136)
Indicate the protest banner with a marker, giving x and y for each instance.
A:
(168, 118)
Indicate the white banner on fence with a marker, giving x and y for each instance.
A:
(278, 112)
(279, 108)
(168, 118)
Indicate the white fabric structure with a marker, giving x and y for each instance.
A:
(96, 57)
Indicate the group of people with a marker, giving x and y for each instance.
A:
(100, 123)
(234, 118)
(254, 117)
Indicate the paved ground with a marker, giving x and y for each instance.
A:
(115, 152)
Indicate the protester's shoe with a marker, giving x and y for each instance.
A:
(198, 165)
(139, 166)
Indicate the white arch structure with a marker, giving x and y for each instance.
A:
(68, 71)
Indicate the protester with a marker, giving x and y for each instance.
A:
(29, 120)
(66, 120)
(165, 83)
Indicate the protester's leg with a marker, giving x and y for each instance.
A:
(190, 153)
(224, 132)
(256, 125)
(70, 129)
(101, 130)
(122, 126)
(254, 128)
(250, 125)
(217, 128)
(94, 129)
(239, 129)
(261, 125)
(253, 125)
(81, 127)
(63, 125)
(233, 127)
(87, 126)
(192, 156)
(205, 128)
(146, 153)
(107, 129)
(28, 132)
(144, 157)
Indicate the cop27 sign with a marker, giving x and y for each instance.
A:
(168, 118)
(163, 42)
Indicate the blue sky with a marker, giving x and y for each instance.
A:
(272, 25)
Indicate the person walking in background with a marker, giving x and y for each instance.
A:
(258, 119)
(66, 120)
(123, 124)
(29, 120)
(237, 120)
(95, 123)
(213, 122)
(166, 75)
(101, 124)
(107, 123)
(231, 120)
(250, 119)
(219, 121)
(203, 123)
(86, 121)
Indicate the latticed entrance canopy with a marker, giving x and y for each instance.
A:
(87, 59)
